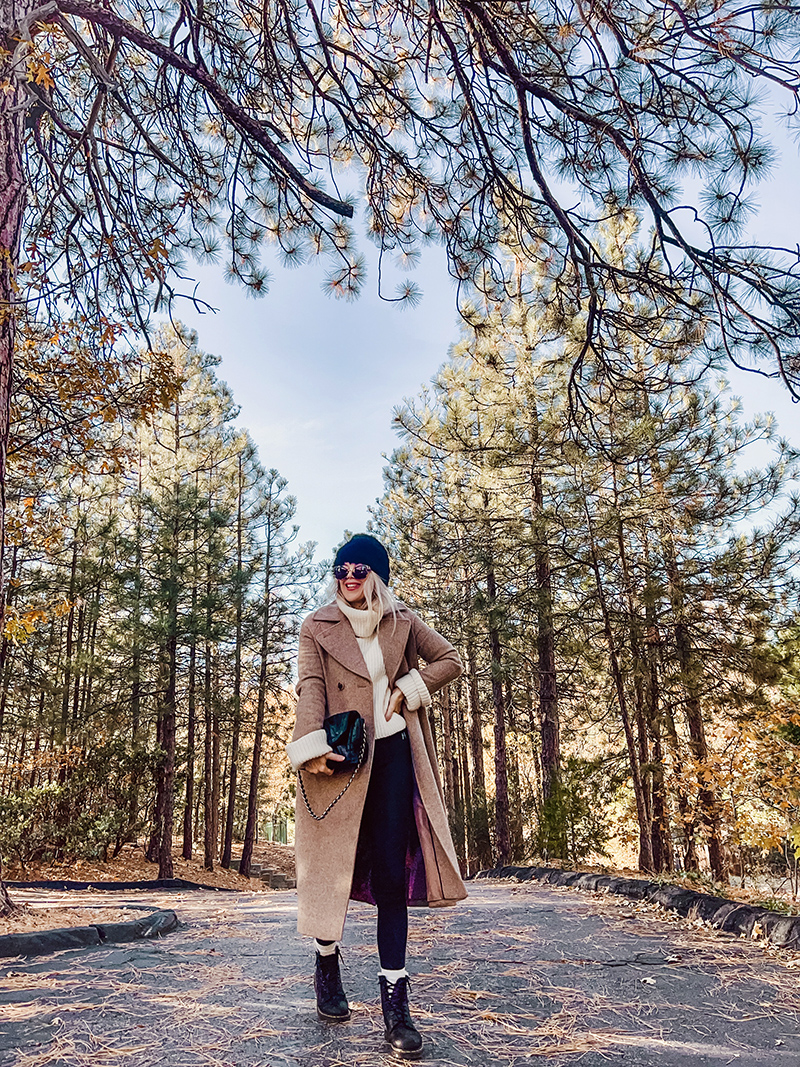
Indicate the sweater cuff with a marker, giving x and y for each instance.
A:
(307, 747)
(414, 690)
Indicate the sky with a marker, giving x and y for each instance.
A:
(317, 378)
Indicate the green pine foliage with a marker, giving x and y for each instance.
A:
(137, 652)
(614, 570)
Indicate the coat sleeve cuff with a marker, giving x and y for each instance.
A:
(414, 690)
(308, 747)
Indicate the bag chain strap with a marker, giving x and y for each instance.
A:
(311, 811)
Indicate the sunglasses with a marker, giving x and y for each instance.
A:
(358, 571)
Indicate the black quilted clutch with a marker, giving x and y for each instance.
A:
(347, 736)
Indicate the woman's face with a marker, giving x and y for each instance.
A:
(351, 588)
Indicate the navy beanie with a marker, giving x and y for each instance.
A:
(365, 549)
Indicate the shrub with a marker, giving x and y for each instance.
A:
(89, 809)
(573, 822)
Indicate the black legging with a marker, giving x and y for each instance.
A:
(385, 829)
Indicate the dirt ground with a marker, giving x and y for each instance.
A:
(44, 916)
(129, 866)
(516, 975)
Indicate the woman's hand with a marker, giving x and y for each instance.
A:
(319, 765)
(395, 703)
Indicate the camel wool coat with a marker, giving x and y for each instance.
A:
(333, 678)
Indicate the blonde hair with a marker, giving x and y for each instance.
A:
(376, 592)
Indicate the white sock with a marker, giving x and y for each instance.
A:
(393, 976)
(326, 950)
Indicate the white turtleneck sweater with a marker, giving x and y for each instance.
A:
(365, 627)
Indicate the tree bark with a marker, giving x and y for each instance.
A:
(645, 842)
(454, 697)
(13, 195)
(136, 653)
(216, 784)
(690, 668)
(168, 731)
(7, 905)
(480, 841)
(68, 650)
(191, 710)
(706, 795)
(258, 736)
(549, 723)
(447, 753)
(208, 760)
(237, 674)
(687, 819)
(663, 859)
(154, 842)
(169, 708)
(191, 726)
(501, 807)
(6, 648)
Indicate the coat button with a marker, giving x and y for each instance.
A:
(341, 685)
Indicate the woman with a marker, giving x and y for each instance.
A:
(386, 840)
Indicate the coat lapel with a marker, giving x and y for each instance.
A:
(393, 640)
(336, 636)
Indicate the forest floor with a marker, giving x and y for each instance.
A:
(515, 975)
(129, 866)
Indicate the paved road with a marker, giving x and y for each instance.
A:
(515, 975)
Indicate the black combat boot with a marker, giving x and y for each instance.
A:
(402, 1035)
(331, 1001)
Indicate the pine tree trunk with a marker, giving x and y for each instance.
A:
(460, 785)
(662, 845)
(232, 786)
(88, 671)
(166, 777)
(645, 842)
(663, 859)
(208, 760)
(515, 819)
(153, 844)
(6, 648)
(470, 866)
(480, 843)
(79, 654)
(709, 807)
(639, 673)
(447, 752)
(13, 195)
(136, 653)
(501, 807)
(36, 746)
(237, 675)
(549, 724)
(68, 650)
(191, 712)
(258, 737)
(686, 817)
(7, 905)
(168, 739)
(211, 747)
(689, 668)
(216, 785)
